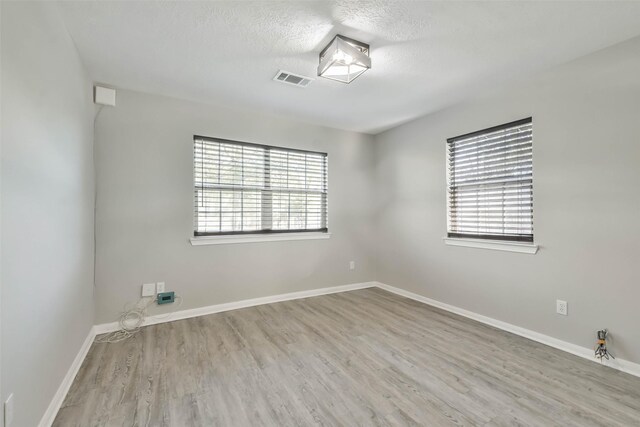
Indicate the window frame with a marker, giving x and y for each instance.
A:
(498, 242)
(262, 234)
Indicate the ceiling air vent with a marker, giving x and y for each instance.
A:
(292, 79)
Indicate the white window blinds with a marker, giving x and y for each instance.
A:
(250, 188)
(491, 183)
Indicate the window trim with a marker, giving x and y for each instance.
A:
(256, 238)
(203, 238)
(498, 245)
(498, 242)
(259, 232)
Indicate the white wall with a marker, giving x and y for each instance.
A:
(586, 205)
(47, 206)
(144, 152)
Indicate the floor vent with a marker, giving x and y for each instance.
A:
(292, 79)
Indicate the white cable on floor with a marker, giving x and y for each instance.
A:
(132, 320)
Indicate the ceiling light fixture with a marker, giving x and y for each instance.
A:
(344, 59)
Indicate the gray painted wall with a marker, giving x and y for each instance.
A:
(144, 152)
(1, 126)
(47, 206)
(586, 205)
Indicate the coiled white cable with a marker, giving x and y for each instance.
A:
(131, 321)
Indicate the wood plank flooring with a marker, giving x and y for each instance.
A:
(363, 357)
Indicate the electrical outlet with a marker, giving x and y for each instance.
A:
(8, 411)
(148, 289)
(352, 265)
(159, 287)
(561, 307)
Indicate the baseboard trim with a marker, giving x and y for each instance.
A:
(56, 403)
(218, 308)
(584, 352)
(61, 393)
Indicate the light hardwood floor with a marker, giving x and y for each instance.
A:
(363, 357)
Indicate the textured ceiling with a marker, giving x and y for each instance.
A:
(425, 55)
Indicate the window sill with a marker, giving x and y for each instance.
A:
(255, 238)
(523, 248)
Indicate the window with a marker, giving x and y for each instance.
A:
(490, 184)
(243, 188)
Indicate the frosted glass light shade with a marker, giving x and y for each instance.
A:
(344, 59)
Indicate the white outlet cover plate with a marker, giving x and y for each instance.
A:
(562, 307)
(148, 289)
(160, 287)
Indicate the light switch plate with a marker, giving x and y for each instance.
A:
(159, 287)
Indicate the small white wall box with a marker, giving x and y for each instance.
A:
(104, 96)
